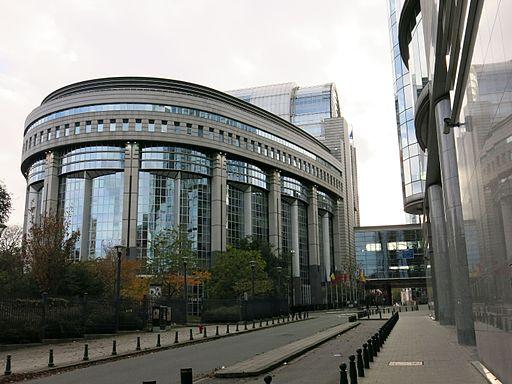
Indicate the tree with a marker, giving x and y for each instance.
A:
(5, 203)
(169, 250)
(49, 247)
(231, 275)
(13, 277)
(277, 266)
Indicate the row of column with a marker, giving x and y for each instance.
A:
(450, 264)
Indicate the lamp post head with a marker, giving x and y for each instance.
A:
(253, 264)
(279, 269)
(292, 251)
(119, 248)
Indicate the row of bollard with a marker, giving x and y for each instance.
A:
(51, 363)
(364, 356)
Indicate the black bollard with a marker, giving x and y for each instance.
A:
(86, 352)
(7, 371)
(137, 347)
(343, 374)
(186, 375)
(375, 346)
(253, 324)
(204, 332)
(191, 336)
(217, 330)
(380, 315)
(114, 348)
(359, 363)
(266, 323)
(371, 353)
(158, 341)
(236, 327)
(352, 371)
(267, 379)
(377, 341)
(261, 323)
(176, 338)
(50, 359)
(366, 357)
(227, 329)
(245, 325)
(272, 321)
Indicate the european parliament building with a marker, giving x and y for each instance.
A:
(123, 158)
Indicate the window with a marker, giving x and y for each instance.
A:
(88, 126)
(200, 131)
(221, 136)
(126, 125)
(77, 128)
(212, 133)
(138, 125)
(163, 126)
(177, 126)
(57, 132)
(189, 129)
(112, 125)
(49, 134)
(151, 126)
(100, 125)
(41, 136)
(66, 130)
(237, 141)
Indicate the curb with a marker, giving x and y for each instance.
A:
(14, 377)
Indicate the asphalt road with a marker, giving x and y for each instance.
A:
(203, 358)
(318, 366)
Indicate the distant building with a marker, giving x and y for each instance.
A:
(391, 256)
(316, 109)
(123, 158)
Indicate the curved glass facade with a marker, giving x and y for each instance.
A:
(92, 157)
(243, 172)
(71, 204)
(36, 171)
(407, 86)
(106, 213)
(175, 158)
(293, 187)
(235, 212)
(259, 202)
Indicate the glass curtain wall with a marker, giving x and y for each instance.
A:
(71, 204)
(484, 154)
(235, 214)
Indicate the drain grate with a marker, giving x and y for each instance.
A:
(405, 363)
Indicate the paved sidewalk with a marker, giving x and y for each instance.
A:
(418, 338)
(35, 358)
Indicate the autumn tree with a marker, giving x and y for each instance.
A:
(49, 248)
(231, 274)
(169, 250)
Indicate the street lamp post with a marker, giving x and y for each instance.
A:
(119, 253)
(185, 287)
(292, 290)
(253, 266)
(2, 227)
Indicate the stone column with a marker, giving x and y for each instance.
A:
(177, 201)
(326, 241)
(454, 224)
(130, 199)
(296, 284)
(274, 211)
(86, 218)
(314, 247)
(339, 265)
(441, 262)
(219, 208)
(248, 212)
(51, 184)
(32, 208)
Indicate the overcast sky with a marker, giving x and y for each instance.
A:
(222, 44)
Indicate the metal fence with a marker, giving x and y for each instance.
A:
(232, 310)
(31, 320)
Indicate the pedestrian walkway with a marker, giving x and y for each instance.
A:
(35, 358)
(421, 351)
